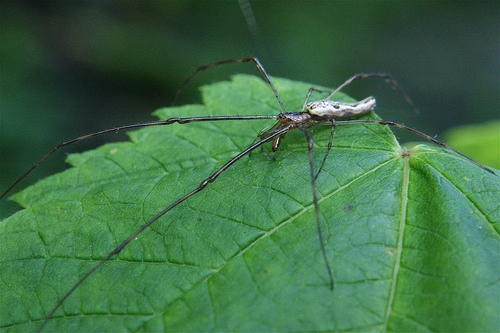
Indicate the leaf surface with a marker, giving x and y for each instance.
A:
(412, 237)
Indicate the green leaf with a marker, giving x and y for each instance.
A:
(480, 141)
(412, 236)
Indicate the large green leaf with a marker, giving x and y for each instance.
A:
(412, 237)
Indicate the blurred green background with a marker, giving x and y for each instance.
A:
(68, 68)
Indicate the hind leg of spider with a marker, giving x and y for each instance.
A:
(316, 206)
(386, 76)
(327, 150)
(428, 137)
(309, 95)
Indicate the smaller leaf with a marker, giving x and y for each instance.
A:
(480, 142)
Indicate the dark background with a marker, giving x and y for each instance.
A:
(68, 68)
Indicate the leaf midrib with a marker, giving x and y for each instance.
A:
(399, 247)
